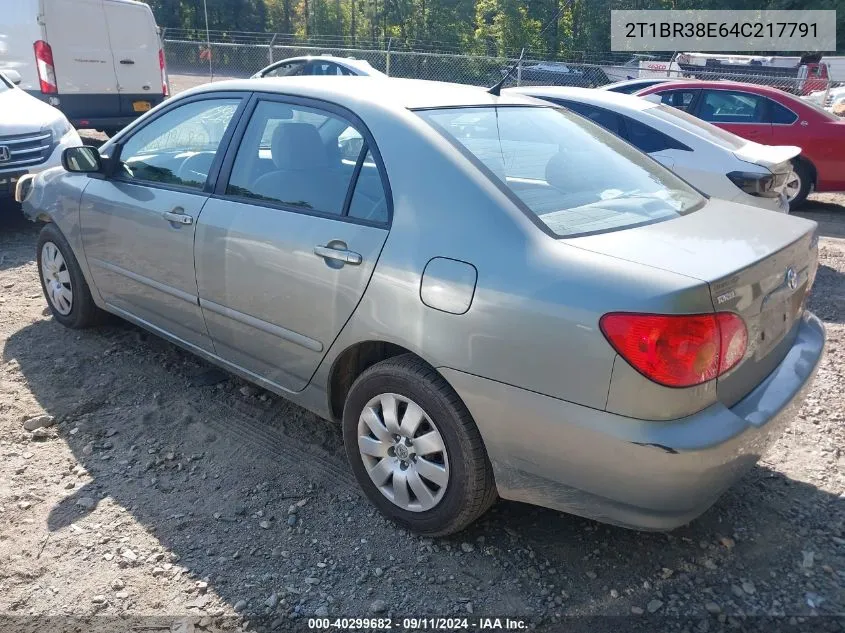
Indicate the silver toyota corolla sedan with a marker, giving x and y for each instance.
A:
(493, 296)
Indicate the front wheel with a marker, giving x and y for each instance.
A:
(415, 449)
(62, 282)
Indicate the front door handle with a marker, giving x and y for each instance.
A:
(178, 216)
(338, 254)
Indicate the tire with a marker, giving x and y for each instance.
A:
(803, 173)
(73, 307)
(469, 488)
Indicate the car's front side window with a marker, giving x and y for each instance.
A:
(681, 99)
(576, 177)
(178, 147)
(302, 158)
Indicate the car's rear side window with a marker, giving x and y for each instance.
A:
(574, 176)
(307, 159)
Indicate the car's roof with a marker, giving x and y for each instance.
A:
(398, 93)
(607, 98)
(639, 80)
(720, 85)
(343, 61)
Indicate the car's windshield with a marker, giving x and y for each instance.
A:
(573, 175)
(696, 126)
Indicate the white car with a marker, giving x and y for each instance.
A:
(320, 65)
(719, 163)
(33, 135)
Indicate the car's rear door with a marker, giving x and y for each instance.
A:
(743, 113)
(286, 246)
(138, 224)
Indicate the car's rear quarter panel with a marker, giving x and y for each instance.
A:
(533, 322)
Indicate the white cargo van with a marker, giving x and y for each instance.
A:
(98, 61)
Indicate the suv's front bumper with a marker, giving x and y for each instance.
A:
(652, 475)
(9, 178)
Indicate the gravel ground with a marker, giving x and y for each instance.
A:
(156, 485)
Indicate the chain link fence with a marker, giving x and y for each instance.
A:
(194, 61)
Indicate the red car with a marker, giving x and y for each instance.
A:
(772, 117)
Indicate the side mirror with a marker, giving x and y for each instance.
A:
(82, 160)
(14, 76)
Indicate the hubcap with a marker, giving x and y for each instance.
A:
(56, 278)
(403, 452)
(793, 186)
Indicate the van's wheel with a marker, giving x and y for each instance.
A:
(798, 184)
(62, 282)
(415, 449)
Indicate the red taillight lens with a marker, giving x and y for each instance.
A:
(677, 350)
(163, 67)
(46, 70)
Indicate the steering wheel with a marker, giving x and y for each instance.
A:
(195, 168)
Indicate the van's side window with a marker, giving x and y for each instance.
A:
(178, 147)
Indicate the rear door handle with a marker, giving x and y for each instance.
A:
(338, 255)
(178, 216)
(127, 62)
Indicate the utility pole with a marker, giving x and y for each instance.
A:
(208, 40)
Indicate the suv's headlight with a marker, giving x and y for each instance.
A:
(59, 128)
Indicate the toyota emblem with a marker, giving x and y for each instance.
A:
(5, 154)
(791, 278)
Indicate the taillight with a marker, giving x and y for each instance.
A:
(163, 67)
(761, 185)
(46, 70)
(677, 350)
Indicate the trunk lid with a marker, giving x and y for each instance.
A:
(757, 264)
(776, 158)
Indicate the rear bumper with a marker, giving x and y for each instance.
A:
(778, 204)
(635, 473)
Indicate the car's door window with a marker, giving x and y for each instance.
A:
(681, 99)
(369, 201)
(178, 147)
(779, 114)
(729, 106)
(608, 120)
(288, 69)
(647, 139)
(322, 68)
(284, 159)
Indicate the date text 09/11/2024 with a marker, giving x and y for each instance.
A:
(419, 624)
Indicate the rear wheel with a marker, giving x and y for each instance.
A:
(62, 282)
(799, 184)
(415, 449)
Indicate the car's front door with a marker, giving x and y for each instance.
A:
(286, 247)
(138, 224)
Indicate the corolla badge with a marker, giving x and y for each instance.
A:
(5, 153)
(791, 278)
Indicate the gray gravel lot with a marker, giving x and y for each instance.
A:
(159, 486)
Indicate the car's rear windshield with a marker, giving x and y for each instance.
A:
(696, 126)
(574, 176)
